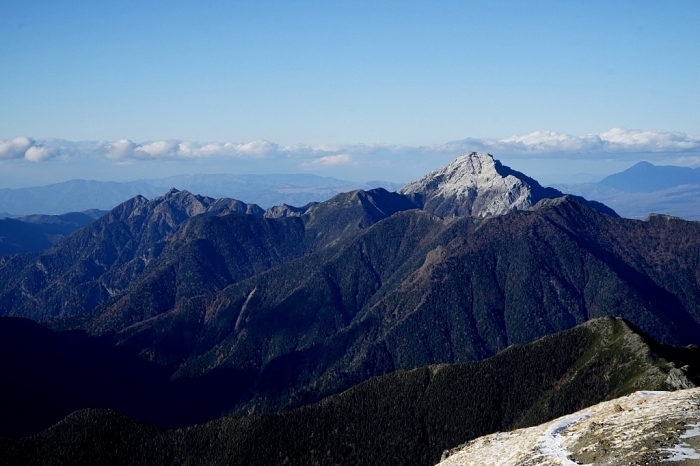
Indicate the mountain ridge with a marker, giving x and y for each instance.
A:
(265, 190)
(407, 417)
(293, 304)
(367, 303)
(647, 427)
(478, 185)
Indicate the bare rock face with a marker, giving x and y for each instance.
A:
(652, 428)
(476, 185)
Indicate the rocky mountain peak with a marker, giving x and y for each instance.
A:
(466, 172)
(476, 185)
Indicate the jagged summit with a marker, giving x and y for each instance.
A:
(478, 185)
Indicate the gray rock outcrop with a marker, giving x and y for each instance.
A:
(476, 185)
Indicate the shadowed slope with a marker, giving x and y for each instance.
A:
(415, 289)
(402, 418)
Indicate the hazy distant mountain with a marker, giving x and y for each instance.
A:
(269, 190)
(38, 232)
(76, 217)
(644, 189)
(264, 190)
(72, 196)
(645, 177)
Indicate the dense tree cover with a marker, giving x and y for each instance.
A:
(408, 291)
(191, 243)
(408, 417)
(414, 290)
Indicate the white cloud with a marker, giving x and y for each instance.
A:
(256, 148)
(15, 148)
(39, 153)
(650, 141)
(125, 149)
(550, 141)
(615, 141)
(687, 161)
(121, 149)
(331, 161)
(27, 148)
(158, 149)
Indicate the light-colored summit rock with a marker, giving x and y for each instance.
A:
(644, 428)
(476, 185)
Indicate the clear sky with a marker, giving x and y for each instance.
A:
(332, 74)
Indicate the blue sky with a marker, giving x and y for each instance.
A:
(405, 75)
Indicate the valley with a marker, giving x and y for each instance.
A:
(173, 323)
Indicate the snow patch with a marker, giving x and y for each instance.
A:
(636, 429)
(682, 451)
(550, 443)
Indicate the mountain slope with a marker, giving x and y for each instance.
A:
(264, 190)
(106, 261)
(401, 418)
(480, 186)
(291, 305)
(415, 289)
(102, 258)
(647, 427)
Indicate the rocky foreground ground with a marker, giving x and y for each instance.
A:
(645, 428)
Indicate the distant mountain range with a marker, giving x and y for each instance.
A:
(184, 308)
(38, 232)
(634, 193)
(264, 190)
(644, 177)
(644, 189)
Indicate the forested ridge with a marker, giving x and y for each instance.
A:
(322, 329)
(408, 417)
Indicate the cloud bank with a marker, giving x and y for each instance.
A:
(330, 161)
(125, 149)
(24, 147)
(617, 143)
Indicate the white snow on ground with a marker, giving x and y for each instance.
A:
(642, 428)
(683, 451)
(549, 444)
